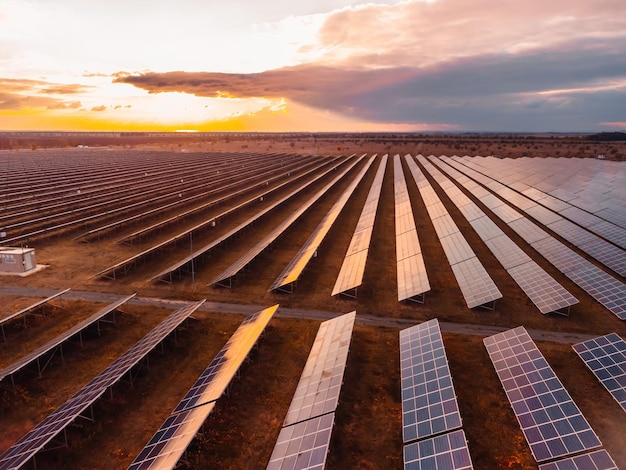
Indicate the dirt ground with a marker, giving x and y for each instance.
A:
(242, 430)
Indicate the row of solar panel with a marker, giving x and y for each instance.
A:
(555, 216)
(353, 266)
(411, 271)
(124, 265)
(476, 285)
(115, 201)
(545, 292)
(607, 290)
(25, 449)
(431, 420)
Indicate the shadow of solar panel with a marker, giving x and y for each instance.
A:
(446, 452)
(550, 420)
(303, 445)
(605, 356)
(429, 404)
(216, 378)
(318, 390)
(597, 460)
(170, 442)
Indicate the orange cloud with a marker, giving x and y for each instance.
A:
(99, 108)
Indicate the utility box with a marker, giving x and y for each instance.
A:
(17, 260)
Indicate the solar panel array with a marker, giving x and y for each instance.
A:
(351, 273)
(603, 287)
(585, 191)
(50, 346)
(596, 460)
(550, 420)
(429, 404)
(605, 356)
(493, 171)
(236, 267)
(305, 436)
(294, 268)
(411, 270)
(476, 285)
(541, 288)
(170, 442)
(25, 449)
(446, 452)
(126, 265)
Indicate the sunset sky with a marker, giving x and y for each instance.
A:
(324, 65)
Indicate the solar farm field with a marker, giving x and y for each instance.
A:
(152, 262)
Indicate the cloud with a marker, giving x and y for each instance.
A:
(66, 105)
(64, 89)
(99, 108)
(422, 33)
(578, 84)
(18, 94)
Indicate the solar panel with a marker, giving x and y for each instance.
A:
(506, 213)
(550, 420)
(444, 226)
(167, 446)
(605, 356)
(217, 376)
(351, 273)
(303, 445)
(437, 209)
(601, 286)
(528, 230)
(597, 460)
(318, 390)
(429, 404)
(547, 294)
(412, 277)
(471, 211)
(485, 227)
(507, 252)
(456, 248)
(446, 452)
(476, 285)
(609, 255)
(353, 266)
(410, 268)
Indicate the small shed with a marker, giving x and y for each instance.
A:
(17, 260)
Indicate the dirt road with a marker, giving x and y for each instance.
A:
(446, 327)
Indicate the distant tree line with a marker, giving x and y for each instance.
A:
(607, 137)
